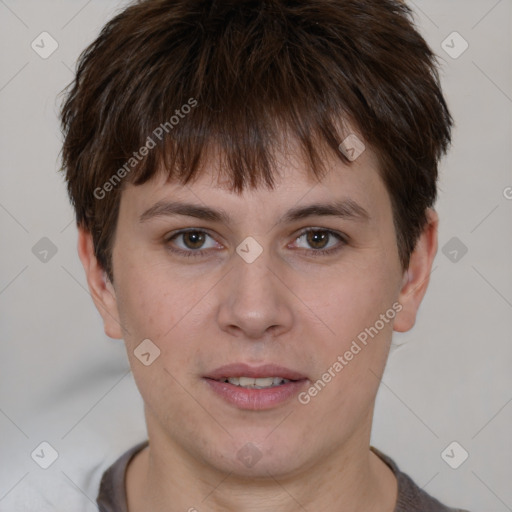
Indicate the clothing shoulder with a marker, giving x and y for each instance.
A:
(410, 497)
(112, 495)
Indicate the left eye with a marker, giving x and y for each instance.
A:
(319, 239)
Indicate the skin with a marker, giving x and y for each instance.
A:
(288, 307)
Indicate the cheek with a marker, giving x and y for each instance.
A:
(149, 302)
(358, 308)
(352, 300)
(154, 306)
(163, 305)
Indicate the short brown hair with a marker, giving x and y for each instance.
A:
(255, 70)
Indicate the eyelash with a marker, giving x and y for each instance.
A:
(309, 252)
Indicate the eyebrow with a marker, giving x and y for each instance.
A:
(345, 209)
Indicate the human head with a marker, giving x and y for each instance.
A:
(248, 94)
(190, 78)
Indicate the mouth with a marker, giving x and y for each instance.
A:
(258, 383)
(255, 388)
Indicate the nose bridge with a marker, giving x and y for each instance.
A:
(253, 298)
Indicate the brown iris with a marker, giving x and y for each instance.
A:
(196, 239)
(315, 237)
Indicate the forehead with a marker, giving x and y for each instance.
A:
(358, 184)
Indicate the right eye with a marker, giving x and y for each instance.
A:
(192, 242)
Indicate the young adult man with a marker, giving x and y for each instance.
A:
(254, 185)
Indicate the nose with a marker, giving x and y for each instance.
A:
(255, 301)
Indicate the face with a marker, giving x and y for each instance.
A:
(261, 286)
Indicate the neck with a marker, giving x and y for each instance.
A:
(350, 478)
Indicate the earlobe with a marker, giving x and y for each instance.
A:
(101, 289)
(416, 277)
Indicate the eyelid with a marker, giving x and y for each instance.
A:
(304, 231)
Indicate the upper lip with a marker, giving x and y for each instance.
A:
(245, 370)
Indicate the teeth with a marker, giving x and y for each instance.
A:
(260, 383)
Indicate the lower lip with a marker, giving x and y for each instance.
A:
(256, 399)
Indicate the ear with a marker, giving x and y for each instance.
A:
(417, 276)
(101, 289)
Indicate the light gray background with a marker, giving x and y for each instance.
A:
(64, 382)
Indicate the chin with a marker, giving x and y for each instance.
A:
(244, 458)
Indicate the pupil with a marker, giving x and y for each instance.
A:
(316, 236)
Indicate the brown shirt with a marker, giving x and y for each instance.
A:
(112, 493)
